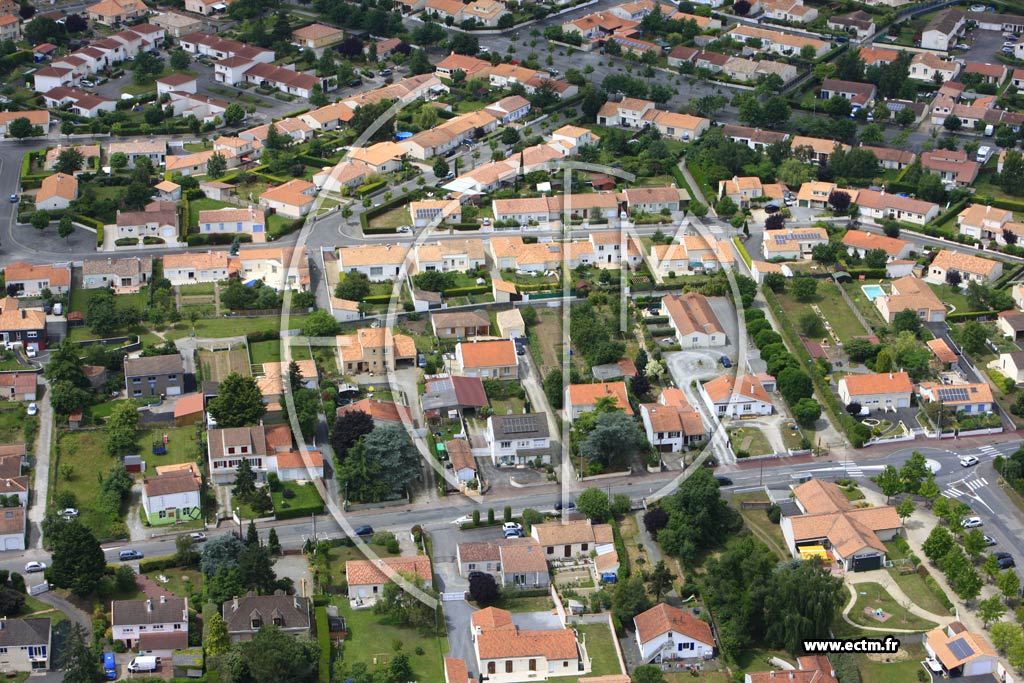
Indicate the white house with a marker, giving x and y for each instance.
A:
(171, 498)
(877, 390)
(378, 262)
(693, 320)
(518, 439)
(960, 652)
(741, 396)
(672, 424)
(12, 528)
(492, 358)
(970, 268)
(131, 619)
(1011, 365)
(366, 578)
(665, 633)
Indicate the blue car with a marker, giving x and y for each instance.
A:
(726, 363)
(109, 666)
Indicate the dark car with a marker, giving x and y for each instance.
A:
(1006, 562)
(356, 82)
(365, 530)
(128, 555)
(723, 481)
(726, 363)
(1001, 554)
(570, 506)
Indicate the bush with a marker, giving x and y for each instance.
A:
(774, 514)
(156, 564)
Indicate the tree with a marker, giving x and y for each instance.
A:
(180, 59)
(215, 635)
(118, 161)
(353, 286)
(659, 582)
(40, 220)
(795, 384)
(66, 227)
(929, 490)
(245, 483)
(402, 608)
(380, 465)
(907, 321)
(973, 337)
(239, 402)
(77, 563)
(465, 44)
(775, 282)
(938, 544)
(648, 673)
(273, 656)
(80, 663)
(69, 160)
(440, 168)
(553, 389)
(810, 325)
(952, 123)
(594, 504)
(1012, 177)
(321, 324)
(121, 429)
(615, 438)
(655, 519)
(21, 128)
(974, 543)
(509, 136)
(905, 508)
(1009, 584)
(890, 481)
(698, 517)
(806, 412)
(804, 288)
(348, 429)
(216, 165)
(66, 398)
(484, 589)
(185, 551)
(220, 553)
(1004, 635)
(629, 599)
(726, 207)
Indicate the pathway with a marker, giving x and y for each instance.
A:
(884, 579)
(697, 193)
(44, 442)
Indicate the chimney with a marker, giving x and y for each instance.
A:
(234, 604)
(295, 601)
(891, 376)
(791, 675)
(149, 605)
(163, 599)
(771, 674)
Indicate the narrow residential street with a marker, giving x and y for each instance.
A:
(41, 465)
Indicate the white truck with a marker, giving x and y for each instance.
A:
(143, 664)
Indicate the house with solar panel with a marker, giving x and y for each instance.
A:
(518, 439)
(792, 243)
(973, 399)
(955, 651)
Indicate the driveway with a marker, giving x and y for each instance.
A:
(37, 511)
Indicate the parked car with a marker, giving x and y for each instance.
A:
(364, 531)
(385, 72)
(972, 522)
(474, 574)
(723, 481)
(968, 461)
(129, 555)
(512, 533)
(1001, 554)
(726, 363)
(197, 536)
(962, 46)
(511, 526)
(1006, 562)
(68, 513)
(990, 541)
(14, 199)
(570, 506)
(33, 409)
(31, 352)
(33, 567)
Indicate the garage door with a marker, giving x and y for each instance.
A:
(173, 391)
(13, 543)
(867, 563)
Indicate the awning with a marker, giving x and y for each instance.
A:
(809, 551)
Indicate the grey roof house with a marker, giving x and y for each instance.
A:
(131, 619)
(518, 439)
(25, 644)
(245, 616)
(154, 376)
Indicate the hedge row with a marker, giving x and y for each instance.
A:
(969, 315)
(199, 240)
(370, 188)
(953, 210)
(465, 291)
(743, 250)
(620, 548)
(869, 273)
(156, 564)
(368, 215)
(300, 511)
(323, 636)
(286, 229)
(379, 231)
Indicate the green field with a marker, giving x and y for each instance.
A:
(393, 218)
(832, 305)
(220, 328)
(216, 365)
(139, 300)
(306, 497)
(873, 596)
(749, 439)
(372, 641)
(85, 452)
(601, 648)
(183, 445)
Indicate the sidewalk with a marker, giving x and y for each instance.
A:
(37, 510)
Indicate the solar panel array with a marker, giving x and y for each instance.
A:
(953, 394)
(518, 424)
(960, 648)
(789, 237)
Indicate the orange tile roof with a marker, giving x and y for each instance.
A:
(576, 531)
(878, 383)
(372, 572)
(461, 454)
(948, 259)
(455, 670)
(491, 353)
(199, 261)
(939, 641)
(691, 313)
(721, 388)
(817, 497)
(869, 240)
(492, 619)
(663, 618)
(19, 271)
(189, 404)
(588, 394)
(383, 411)
(58, 185)
(293, 460)
(941, 350)
(552, 645)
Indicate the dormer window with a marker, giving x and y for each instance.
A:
(256, 623)
(279, 621)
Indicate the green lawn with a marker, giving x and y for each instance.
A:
(392, 219)
(749, 439)
(270, 352)
(509, 601)
(832, 305)
(197, 205)
(12, 423)
(902, 670)
(86, 453)
(305, 497)
(953, 296)
(873, 596)
(372, 641)
(757, 521)
(231, 327)
(80, 299)
(198, 289)
(913, 584)
(601, 648)
(183, 445)
(866, 308)
(180, 582)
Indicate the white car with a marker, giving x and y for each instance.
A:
(1009, 44)
(33, 409)
(972, 522)
(197, 536)
(33, 567)
(511, 526)
(962, 46)
(68, 513)
(968, 461)
(31, 352)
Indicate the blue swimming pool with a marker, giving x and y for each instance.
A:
(872, 292)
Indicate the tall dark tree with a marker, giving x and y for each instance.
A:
(348, 429)
(484, 589)
(80, 663)
(245, 480)
(78, 563)
(239, 402)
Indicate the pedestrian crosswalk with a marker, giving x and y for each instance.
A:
(989, 450)
(963, 488)
(853, 469)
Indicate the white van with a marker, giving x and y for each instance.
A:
(143, 663)
(983, 153)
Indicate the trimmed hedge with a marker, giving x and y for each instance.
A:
(379, 231)
(464, 291)
(286, 229)
(960, 316)
(296, 512)
(743, 250)
(156, 564)
(370, 188)
(953, 210)
(197, 240)
(872, 273)
(323, 636)
(620, 548)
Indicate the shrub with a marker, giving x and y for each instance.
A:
(774, 514)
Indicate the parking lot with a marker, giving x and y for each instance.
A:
(985, 45)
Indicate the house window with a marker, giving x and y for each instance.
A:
(255, 623)
(278, 621)
(508, 666)
(506, 444)
(584, 547)
(533, 664)
(490, 668)
(33, 335)
(162, 514)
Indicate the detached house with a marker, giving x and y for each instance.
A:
(494, 359)
(57, 192)
(374, 350)
(793, 243)
(672, 424)
(860, 95)
(572, 539)
(377, 262)
(961, 653)
(366, 578)
(503, 559)
(970, 268)
(154, 376)
(911, 293)
(25, 644)
(877, 390)
(741, 396)
(131, 620)
(25, 279)
(969, 398)
(665, 633)
(519, 439)
(860, 243)
(172, 498)
(28, 327)
(246, 615)
(505, 653)
(461, 325)
(876, 205)
(122, 274)
(583, 398)
(693, 320)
